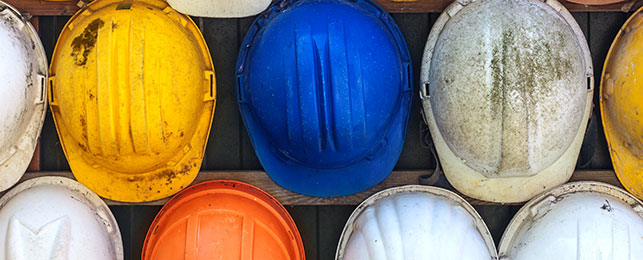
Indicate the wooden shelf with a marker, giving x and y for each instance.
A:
(286, 197)
(41, 7)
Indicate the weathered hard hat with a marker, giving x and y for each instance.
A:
(57, 218)
(595, 2)
(220, 8)
(415, 222)
(23, 75)
(324, 92)
(580, 220)
(507, 92)
(132, 95)
(622, 104)
(223, 220)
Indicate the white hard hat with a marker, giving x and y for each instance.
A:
(579, 220)
(220, 8)
(415, 222)
(57, 218)
(23, 75)
(507, 92)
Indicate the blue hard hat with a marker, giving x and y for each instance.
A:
(324, 89)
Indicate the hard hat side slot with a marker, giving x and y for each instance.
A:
(590, 83)
(51, 90)
(41, 97)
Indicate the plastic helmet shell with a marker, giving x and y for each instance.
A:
(580, 220)
(324, 92)
(415, 222)
(23, 70)
(507, 92)
(220, 8)
(596, 2)
(57, 218)
(622, 104)
(223, 220)
(133, 98)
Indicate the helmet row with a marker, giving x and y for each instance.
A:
(58, 218)
(324, 89)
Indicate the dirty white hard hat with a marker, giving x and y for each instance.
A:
(579, 220)
(507, 91)
(57, 218)
(219, 8)
(23, 77)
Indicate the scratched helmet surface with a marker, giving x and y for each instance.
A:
(596, 2)
(622, 104)
(324, 92)
(132, 95)
(219, 8)
(227, 220)
(57, 218)
(415, 222)
(23, 75)
(506, 90)
(578, 220)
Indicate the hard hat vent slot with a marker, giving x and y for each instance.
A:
(590, 80)
(424, 91)
(240, 90)
(409, 86)
(42, 89)
(211, 85)
(51, 90)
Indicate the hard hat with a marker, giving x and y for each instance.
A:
(132, 95)
(23, 74)
(324, 92)
(415, 222)
(622, 104)
(580, 220)
(57, 218)
(507, 92)
(220, 8)
(223, 220)
(595, 2)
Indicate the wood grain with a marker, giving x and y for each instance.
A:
(41, 7)
(286, 197)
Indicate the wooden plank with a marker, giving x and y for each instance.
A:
(42, 7)
(286, 197)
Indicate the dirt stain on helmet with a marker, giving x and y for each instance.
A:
(83, 44)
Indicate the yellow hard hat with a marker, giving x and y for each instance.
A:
(132, 94)
(622, 104)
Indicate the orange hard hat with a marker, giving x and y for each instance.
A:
(223, 220)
